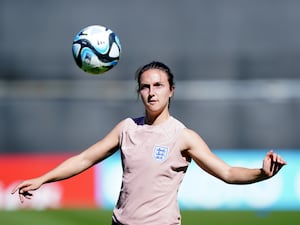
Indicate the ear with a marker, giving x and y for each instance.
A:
(172, 91)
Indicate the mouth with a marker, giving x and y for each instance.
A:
(152, 102)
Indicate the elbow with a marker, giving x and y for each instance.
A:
(230, 177)
(225, 175)
(237, 175)
(228, 180)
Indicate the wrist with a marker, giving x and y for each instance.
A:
(263, 175)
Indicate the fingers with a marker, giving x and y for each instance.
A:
(273, 162)
(24, 191)
(24, 195)
(276, 158)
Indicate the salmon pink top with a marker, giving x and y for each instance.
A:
(153, 169)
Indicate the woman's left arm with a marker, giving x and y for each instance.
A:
(198, 150)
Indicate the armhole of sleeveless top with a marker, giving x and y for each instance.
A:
(179, 153)
(125, 125)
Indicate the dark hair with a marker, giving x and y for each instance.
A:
(154, 65)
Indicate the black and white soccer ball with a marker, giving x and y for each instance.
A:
(96, 49)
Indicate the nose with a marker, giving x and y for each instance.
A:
(151, 91)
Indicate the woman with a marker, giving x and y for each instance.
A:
(156, 150)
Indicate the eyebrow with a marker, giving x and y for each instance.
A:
(154, 84)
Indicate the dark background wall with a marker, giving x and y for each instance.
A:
(237, 68)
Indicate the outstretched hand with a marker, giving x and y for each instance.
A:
(26, 187)
(272, 163)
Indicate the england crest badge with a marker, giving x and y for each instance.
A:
(160, 153)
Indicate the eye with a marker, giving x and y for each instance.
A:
(143, 86)
(158, 84)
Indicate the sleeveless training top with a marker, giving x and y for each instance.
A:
(153, 169)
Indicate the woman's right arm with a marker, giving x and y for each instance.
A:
(73, 165)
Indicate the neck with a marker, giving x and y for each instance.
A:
(156, 119)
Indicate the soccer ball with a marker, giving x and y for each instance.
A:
(96, 49)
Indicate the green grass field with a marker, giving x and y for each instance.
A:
(101, 217)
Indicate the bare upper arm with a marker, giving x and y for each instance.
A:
(104, 147)
(199, 151)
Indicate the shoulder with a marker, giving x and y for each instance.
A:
(120, 126)
(188, 134)
(129, 122)
(177, 122)
(191, 139)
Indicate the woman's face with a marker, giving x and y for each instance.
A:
(155, 90)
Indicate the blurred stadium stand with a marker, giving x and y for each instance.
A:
(236, 65)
